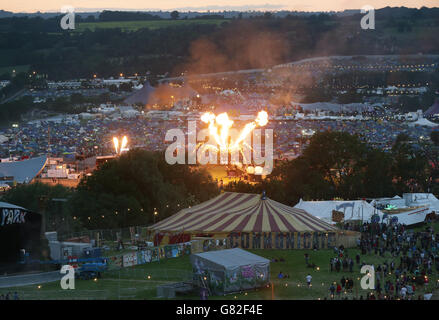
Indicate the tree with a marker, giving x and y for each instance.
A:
(128, 190)
(434, 136)
(410, 166)
(336, 164)
(38, 197)
(175, 14)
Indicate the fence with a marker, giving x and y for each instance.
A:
(29, 279)
(108, 235)
(125, 283)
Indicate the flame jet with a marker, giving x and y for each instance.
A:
(224, 125)
(116, 144)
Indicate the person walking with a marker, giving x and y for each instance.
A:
(308, 280)
(332, 290)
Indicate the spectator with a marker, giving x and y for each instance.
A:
(308, 280)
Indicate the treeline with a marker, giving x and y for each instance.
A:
(136, 189)
(236, 44)
(126, 16)
(339, 165)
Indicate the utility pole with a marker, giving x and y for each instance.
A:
(48, 140)
(60, 201)
(43, 211)
(42, 203)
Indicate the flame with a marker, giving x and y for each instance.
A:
(220, 125)
(225, 123)
(208, 117)
(124, 144)
(262, 118)
(116, 144)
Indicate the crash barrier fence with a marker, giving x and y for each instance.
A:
(152, 276)
(124, 283)
(110, 235)
(29, 279)
(153, 254)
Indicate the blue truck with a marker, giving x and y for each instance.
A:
(91, 270)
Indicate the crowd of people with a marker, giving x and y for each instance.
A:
(9, 296)
(94, 137)
(408, 260)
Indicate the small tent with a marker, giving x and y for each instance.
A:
(230, 270)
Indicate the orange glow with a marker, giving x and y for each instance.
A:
(219, 127)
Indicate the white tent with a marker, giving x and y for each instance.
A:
(352, 209)
(3, 139)
(417, 199)
(410, 200)
(424, 123)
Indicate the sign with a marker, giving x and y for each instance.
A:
(247, 272)
(281, 240)
(12, 216)
(130, 259)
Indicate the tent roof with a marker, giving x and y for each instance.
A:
(353, 209)
(241, 212)
(23, 171)
(232, 258)
(423, 122)
(10, 206)
(141, 96)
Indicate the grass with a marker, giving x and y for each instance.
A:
(140, 282)
(18, 69)
(135, 25)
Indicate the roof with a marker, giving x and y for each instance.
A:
(411, 200)
(22, 171)
(434, 109)
(424, 122)
(141, 96)
(353, 209)
(232, 258)
(241, 212)
(10, 206)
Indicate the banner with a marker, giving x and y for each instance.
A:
(130, 259)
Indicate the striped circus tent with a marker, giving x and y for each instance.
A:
(242, 213)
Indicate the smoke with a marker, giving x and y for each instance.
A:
(241, 45)
(166, 94)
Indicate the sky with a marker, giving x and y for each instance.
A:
(204, 5)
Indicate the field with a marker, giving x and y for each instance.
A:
(18, 69)
(140, 282)
(135, 25)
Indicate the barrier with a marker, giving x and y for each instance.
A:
(29, 279)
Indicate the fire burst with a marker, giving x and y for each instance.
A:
(123, 145)
(220, 125)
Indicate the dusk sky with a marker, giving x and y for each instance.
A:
(204, 5)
